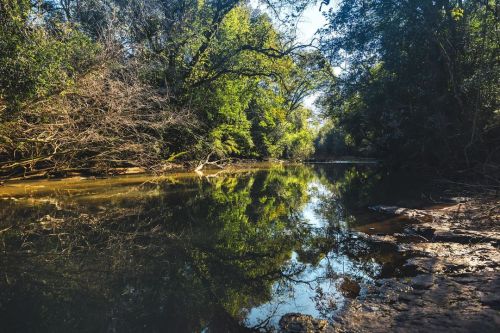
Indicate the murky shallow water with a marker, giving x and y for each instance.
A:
(186, 253)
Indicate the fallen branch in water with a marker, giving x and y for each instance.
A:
(218, 163)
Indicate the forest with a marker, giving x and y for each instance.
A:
(98, 85)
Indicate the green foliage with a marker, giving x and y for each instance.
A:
(36, 62)
(421, 84)
(226, 116)
(457, 13)
(253, 103)
(221, 65)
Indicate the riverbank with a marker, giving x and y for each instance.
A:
(169, 169)
(204, 167)
(454, 279)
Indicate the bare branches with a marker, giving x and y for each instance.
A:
(217, 163)
(109, 120)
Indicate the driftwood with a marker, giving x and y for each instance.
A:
(217, 163)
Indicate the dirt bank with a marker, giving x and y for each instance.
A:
(454, 279)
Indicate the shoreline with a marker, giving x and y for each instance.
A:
(175, 168)
(166, 170)
(455, 280)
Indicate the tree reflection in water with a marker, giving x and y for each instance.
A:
(181, 255)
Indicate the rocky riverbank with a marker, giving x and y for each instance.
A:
(454, 279)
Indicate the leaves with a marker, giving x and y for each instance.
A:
(36, 62)
(419, 78)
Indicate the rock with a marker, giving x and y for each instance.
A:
(424, 281)
(349, 288)
(300, 323)
(492, 300)
(406, 297)
(458, 199)
(450, 281)
(385, 239)
(465, 278)
(400, 306)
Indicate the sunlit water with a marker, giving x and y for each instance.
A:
(187, 253)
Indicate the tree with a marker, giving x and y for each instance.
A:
(415, 87)
(218, 64)
(38, 61)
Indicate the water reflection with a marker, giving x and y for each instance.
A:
(220, 254)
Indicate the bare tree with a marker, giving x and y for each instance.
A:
(110, 119)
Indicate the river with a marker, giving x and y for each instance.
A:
(190, 253)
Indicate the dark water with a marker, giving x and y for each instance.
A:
(189, 253)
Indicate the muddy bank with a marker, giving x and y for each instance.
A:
(453, 279)
(169, 168)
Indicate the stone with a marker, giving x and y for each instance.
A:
(349, 288)
(423, 281)
(300, 323)
(491, 300)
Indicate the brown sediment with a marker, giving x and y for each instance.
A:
(13, 188)
(187, 167)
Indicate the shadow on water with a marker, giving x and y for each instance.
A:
(228, 253)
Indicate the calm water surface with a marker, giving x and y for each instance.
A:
(187, 253)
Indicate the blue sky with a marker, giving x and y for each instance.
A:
(311, 20)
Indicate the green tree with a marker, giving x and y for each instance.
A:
(37, 61)
(225, 82)
(421, 80)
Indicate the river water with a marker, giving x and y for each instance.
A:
(190, 253)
